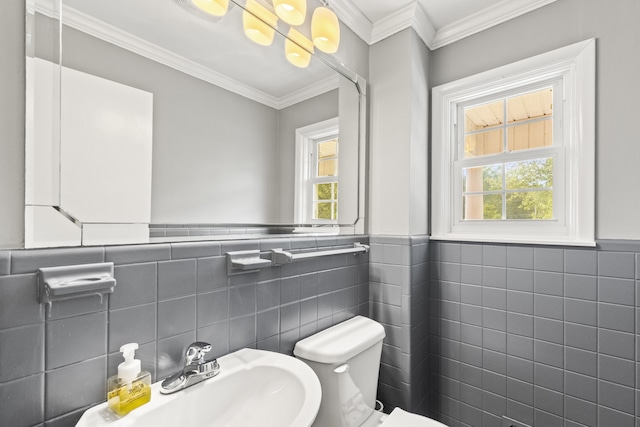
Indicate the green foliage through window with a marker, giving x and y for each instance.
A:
(523, 190)
(326, 201)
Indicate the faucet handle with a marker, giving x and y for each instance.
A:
(195, 353)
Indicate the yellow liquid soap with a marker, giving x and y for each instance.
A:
(125, 397)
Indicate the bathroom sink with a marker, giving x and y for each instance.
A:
(254, 388)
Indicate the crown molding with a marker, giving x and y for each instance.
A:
(393, 23)
(423, 26)
(318, 88)
(480, 21)
(353, 18)
(414, 15)
(99, 29)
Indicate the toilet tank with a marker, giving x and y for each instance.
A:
(356, 342)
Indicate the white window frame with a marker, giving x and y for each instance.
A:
(571, 70)
(305, 168)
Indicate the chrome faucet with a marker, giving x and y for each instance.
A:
(195, 370)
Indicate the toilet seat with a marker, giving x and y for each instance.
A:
(400, 418)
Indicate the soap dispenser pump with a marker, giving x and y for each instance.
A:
(131, 388)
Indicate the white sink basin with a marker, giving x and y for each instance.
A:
(253, 388)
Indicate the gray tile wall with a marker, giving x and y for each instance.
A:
(398, 299)
(544, 335)
(167, 296)
(547, 336)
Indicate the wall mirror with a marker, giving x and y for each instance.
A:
(154, 121)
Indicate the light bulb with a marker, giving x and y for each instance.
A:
(212, 7)
(259, 23)
(293, 12)
(325, 30)
(298, 49)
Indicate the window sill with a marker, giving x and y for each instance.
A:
(512, 240)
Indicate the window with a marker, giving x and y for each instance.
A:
(317, 179)
(505, 156)
(324, 178)
(513, 152)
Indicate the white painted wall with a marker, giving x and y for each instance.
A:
(419, 159)
(389, 117)
(615, 26)
(398, 138)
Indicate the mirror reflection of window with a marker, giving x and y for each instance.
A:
(325, 179)
(317, 173)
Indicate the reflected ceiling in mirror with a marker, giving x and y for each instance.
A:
(214, 49)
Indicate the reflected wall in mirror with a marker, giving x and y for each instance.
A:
(149, 118)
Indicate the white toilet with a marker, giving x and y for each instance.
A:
(346, 359)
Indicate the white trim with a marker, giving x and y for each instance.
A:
(304, 136)
(101, 30)
(393, 23)
(511, 240)
(575, 64)
(480, 21)
(318, 88)
(434, 38)
(424, 27)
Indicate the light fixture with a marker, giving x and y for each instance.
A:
(212, 7)
(298, 48)
(259, 23)
(325, 30)
(292, 12)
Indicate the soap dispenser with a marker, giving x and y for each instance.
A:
(131, 388)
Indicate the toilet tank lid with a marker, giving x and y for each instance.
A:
(341, 342)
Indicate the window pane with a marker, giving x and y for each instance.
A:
(328, 149)
(482, 206)
(529, 174)
(322, 191)
(483, 143)
(530, 205)
(482, 178)
(531, 105)
(530, 135)
(335, 191)
(328, 167)
(324, 210)
(484, 116)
